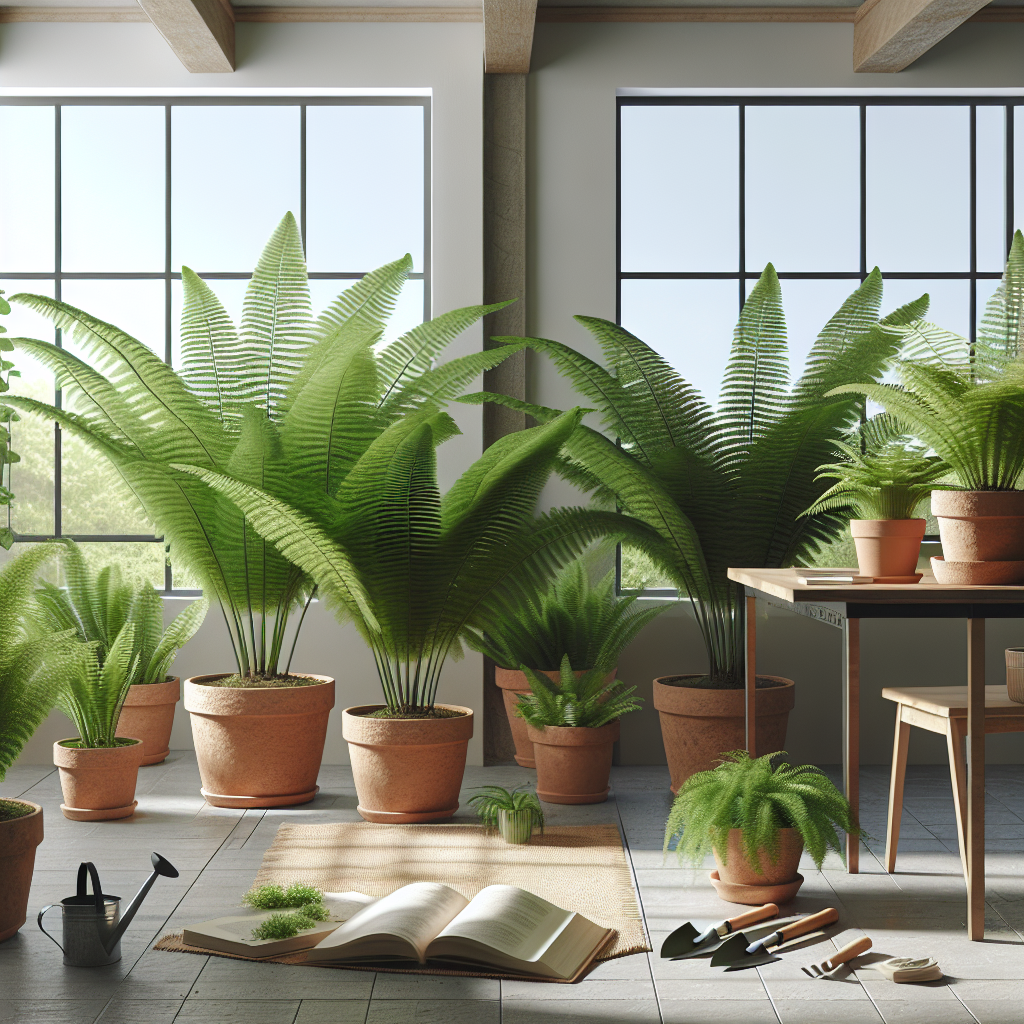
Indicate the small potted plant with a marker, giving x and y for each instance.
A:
(757, 819)
(28, 690)
(94, 606)
(884, 491)
(567, 615)
(514, 813)
(573, 725)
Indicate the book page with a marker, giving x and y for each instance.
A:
(406, 921)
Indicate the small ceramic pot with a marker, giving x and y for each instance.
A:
(573, 762)
(148, 713)
(888, 547)
(516, 826)
(980, 526)
(739, 881)
(98, 782)
(1015, 674)
(407, 770)
(259, 747)
(18, 841)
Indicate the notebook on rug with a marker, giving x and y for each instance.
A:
(502, 927)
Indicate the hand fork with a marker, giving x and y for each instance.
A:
(847, 953)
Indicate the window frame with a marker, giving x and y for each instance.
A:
(168, 275)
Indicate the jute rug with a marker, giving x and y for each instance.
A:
(576, 867)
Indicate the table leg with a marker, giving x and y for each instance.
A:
(750, 680)
(976, 779)
(851, 733)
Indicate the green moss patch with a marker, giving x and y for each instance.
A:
(11, 809)
(260, 682)
(412, 713)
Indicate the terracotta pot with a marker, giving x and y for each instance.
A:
(407, 770)
(573, 762)
(1015, 674)
(98, 782)
(148, 713)
(888, 547)
(980, 526)
(513, 684)
(977, 574)
(259, 747)
(738, 881)
(18, 841)
(698, 726)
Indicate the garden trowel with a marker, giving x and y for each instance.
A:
(736, 955)
(686, 941)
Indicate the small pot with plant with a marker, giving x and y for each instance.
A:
(28, 690)
(514, 813)
(757, 819)
(568, 616)
(94, 607)
(573, 725)
(884, 490)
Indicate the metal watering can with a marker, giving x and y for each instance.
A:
(92, 925)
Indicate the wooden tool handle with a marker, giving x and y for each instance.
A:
(809, 924)
(752, 917)
(849, 951)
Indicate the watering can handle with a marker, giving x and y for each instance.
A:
(39, 921)
(97, 890)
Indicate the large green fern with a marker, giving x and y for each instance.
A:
(725, 487)
(584, 701)
(286, 403)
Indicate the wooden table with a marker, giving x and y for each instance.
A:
(843, 606)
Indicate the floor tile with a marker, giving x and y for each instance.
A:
(238, 979)
(898, 1011)
(426, 1011)
(49, 1011)
(718, 1011)
(425, 986)
(234, 1011)
(332, 1011)
(802, 1011)
(140, 1011)
(586, 1011)
(995, 1011)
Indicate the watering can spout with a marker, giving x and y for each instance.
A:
(161, 866)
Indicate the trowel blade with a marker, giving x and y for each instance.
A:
(680, 942)
(733, 955)
(752, 933)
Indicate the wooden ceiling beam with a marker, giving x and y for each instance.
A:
(508, 36)
(200, 32)
(889, 35)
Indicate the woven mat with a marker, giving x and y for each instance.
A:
(577, 867)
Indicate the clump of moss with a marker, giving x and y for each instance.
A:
(285, 926)
(411, 712)
(262, 682)
(276, 897)
(11, 809)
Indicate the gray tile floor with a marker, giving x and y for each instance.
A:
(918, 911)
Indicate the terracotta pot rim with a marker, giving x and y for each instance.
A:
(202, 681)
(888, 527)
(23, 817)
(265, 701)
(154, 694)
(574, 735)
(952, 504)
(125, 755)
(355, 709)
(660, 681)
(405, 732)
(698, 702)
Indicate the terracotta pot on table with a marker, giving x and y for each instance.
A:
(407, 770)
(573, 762)
(19, 838)
(888, 548)
(259, 747)
(98, 783)
(982, 535)
(739, 881)
(699, 725)
(148, 713)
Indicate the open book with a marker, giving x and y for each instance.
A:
(502, 927)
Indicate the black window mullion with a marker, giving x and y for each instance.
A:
(58, 398)
(742, 121)
(1009, 176)
(863, 123)
(168, 288)
(972, 315)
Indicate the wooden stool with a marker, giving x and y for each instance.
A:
(941, 709)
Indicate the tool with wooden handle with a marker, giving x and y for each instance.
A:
(736, 955)
(686, 941)
(843, 956)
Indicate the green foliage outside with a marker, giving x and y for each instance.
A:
(275, 897)
(7, 414)
(586, 701)
(760, 798)
(489, 801)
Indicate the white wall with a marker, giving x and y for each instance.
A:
(306, 59)
(576, 72)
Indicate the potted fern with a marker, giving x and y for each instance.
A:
(414, 572)
(286, 403)
(28, 690)
(573, 725)
(93, 607)
(757, 818)
(568, 616)
(883, 490)
(722, 486)
(513, 813)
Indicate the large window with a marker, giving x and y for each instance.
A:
(107, 199)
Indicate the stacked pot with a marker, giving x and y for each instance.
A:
(982, 535)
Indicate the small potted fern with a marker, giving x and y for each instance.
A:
(573, 725)
(884, 490)
(567, 615)
(757, 818)
(94, 607)
(514, 813)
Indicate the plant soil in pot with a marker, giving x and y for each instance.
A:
(407, 770)
(148, 713)
(259, 746)
(98, 783)
(697, 724)
(21, 831)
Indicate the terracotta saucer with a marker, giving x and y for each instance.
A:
(755, 895)
(98, 814)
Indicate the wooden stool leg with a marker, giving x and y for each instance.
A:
(899, 773)
(955, 732)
